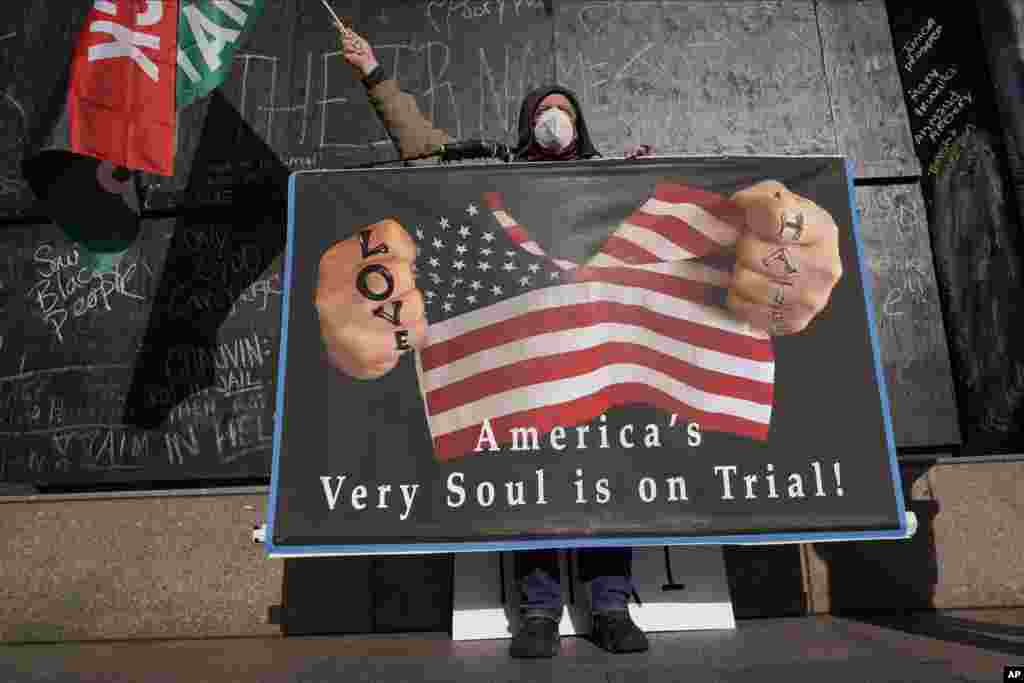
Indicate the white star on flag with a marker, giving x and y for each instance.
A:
(534, 267)
(461, 249)
(434, 262)
(438, 244)
(484, 266)
(472, 210)
(488, 236)
(464, 231)
(445, 224)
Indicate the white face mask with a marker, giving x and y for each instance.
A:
(554, 130)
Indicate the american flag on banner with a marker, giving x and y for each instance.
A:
(524, 340)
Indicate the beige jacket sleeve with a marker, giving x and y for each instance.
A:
(409, 128)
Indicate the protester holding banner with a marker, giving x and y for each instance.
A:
(787, 264)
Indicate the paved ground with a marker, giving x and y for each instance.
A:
(937, 647)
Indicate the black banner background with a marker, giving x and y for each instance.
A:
(828, 407)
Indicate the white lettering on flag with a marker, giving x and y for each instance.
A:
(127, 43)
(210, 38)
(153, 14)
(232, 10)
(188, 68)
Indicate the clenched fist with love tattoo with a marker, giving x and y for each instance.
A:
(370, 309)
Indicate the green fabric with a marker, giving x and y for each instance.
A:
(207, 39)
(100, 259)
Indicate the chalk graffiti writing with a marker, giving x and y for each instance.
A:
(913, 50)
(11, 183)
(181, 443)
(941, 81)
(90, 447)
(921, 43)
(955, 103)
(474, 10)
(241, 432)
(245, 353)
(66, 289)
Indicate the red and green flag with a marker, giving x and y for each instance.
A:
(136, 63)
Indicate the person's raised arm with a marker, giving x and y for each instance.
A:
(410, 130)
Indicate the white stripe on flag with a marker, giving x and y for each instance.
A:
(707, 223)
(585, 293)
(504, 219)
(660, 246)
(581, 386)
(690, 270)
(531, 245)
(578, 339)
(605, 261)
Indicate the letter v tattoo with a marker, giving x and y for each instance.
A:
(364, 245)
(394, 317)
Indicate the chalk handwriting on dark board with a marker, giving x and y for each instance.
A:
(65, 431)
(922, 43)
(14, 121)
(64, 288)
(469, 14)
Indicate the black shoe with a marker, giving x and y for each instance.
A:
(537, 637)
(615, 631)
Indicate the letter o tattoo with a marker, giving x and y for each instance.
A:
(363, 284)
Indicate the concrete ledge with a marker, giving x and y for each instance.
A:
(128, 567)
(967, 553)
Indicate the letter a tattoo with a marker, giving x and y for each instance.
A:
(364, 244)
(394, 317)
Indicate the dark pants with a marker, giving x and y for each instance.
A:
(607, 570)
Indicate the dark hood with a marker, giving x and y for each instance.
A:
(584, 145)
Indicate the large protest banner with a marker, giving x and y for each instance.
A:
(582, 383)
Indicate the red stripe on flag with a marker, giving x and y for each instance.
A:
(719, 205)
(629, 252)
(677, 231)
(456, 444)
(494, 201)
(537, 371)
(584, 315)
(517, 234)
(670, 285)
